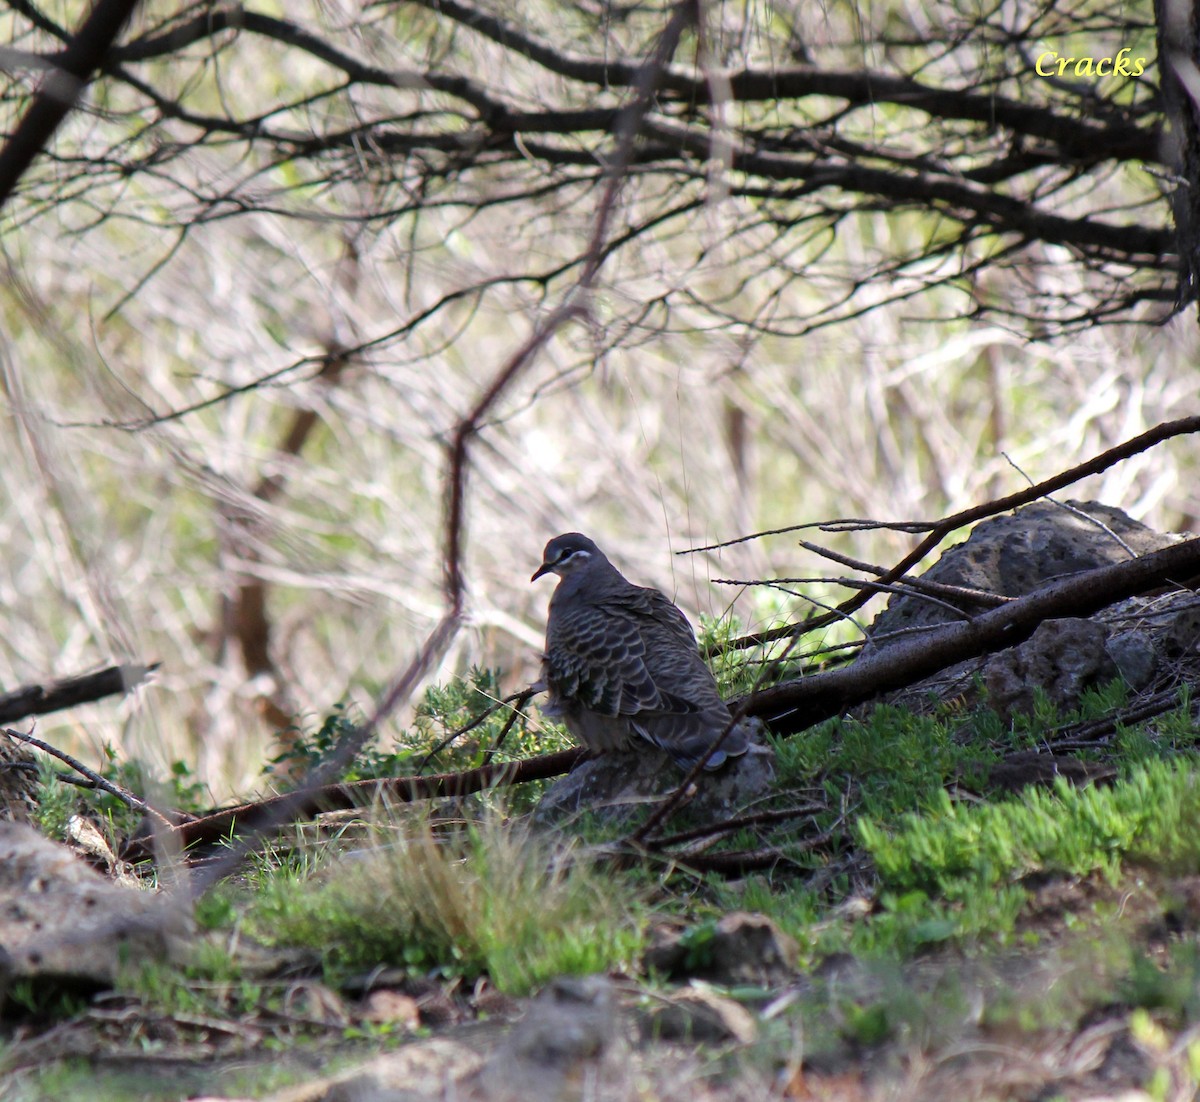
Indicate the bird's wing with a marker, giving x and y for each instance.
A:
(673, 657)
(659, 616)
(595, 654)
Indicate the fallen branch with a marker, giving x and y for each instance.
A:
(37, 700)
(796, 705)
(95, 779)
(745, 861)
(264, 816)
(939, 530)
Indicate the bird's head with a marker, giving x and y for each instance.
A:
(567, 554)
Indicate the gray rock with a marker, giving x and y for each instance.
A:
(697, 1016)
(1062, 658)
(60, 918)
(1135, 657)
(617, 787)
(18, 780)
(1182, 636)
(742, 949)
(1014, 554)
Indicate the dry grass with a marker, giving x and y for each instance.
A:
(490, 897)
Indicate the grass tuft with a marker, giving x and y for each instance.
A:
(488, 898)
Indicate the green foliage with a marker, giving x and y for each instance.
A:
(215, 910)
(43, 999)
(58, 801)
(451, 730)
(741, 670)
(949, 870)
(890, 761)
(486, 898)
(1168, 984)
(957, 850)
(697, 944)
(306, 752)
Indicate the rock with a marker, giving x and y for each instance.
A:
(18, 780)
(568, 1036)
(697, 1015)
(1182, 637)
(415, 1073)
(1062, 658)
(61, 919)
(1014, 554)
(573, 1018)
(1134, 656)
(742, 949)
(616, 786)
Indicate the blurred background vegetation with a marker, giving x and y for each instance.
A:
(865, 264)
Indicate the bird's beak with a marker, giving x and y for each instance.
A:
(543, 569)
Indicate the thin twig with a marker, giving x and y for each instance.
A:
(250, 822)
(920, 585)
(124, 795)
(520, 699)
(730, 825)
(941, 529)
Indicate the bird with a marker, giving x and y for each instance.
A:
(622, 664)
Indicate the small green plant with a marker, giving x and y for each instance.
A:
(43, 999)
(1170, 984)
(488, 897)
(58, 800)
(456, 726)
(956, 849)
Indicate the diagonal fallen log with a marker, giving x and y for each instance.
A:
(937, 531)
(796, 705)
(37, 700)
(247, 818)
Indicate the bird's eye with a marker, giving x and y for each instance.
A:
(569, 553)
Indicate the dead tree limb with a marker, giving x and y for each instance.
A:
(94, 779)
(62, 86)
(264, 816)
(796, 705)
(38, 700)
(939, 530)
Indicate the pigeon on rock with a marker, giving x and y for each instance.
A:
(622, 664)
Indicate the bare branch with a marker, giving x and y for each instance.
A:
(796, 705)
(96, 780)
(37, 700)
(59, 91)
(941, 529)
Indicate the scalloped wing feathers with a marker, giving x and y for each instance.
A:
(625, 661)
